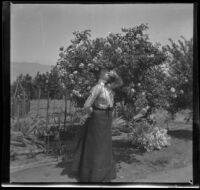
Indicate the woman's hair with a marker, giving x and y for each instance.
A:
(111, 79)
(104, 71)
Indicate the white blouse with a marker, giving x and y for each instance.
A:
(101, 96)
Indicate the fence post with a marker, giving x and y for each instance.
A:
(28, 105)
(24, 107)
(47, 121)
(21, 108)
(18, 109)
(38, 106)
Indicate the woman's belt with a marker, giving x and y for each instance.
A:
(103, 109)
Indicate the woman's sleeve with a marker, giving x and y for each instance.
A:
(93, 95)
(116, 83)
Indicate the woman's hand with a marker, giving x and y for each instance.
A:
(83, 119)
(117, 82)
(113, 73)
(89, 110)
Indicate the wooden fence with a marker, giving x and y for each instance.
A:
(19, 108)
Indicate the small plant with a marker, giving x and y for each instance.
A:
(118, 126)
(79, 116)
(119, 123)
(146, 135)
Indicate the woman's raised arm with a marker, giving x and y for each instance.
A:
(117, 80)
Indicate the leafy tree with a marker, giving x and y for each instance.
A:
(180, 78)
(130, 53)
(54, 84)
(40, 83)
(26, 82)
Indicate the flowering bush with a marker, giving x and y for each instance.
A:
(179, 79)
(149, 137)
(141, 64)
(129, 52)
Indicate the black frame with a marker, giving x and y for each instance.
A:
(5, 172)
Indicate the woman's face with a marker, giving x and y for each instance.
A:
(105, 76)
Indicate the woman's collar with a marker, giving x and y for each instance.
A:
(102, 82)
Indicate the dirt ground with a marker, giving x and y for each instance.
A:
(172, 164)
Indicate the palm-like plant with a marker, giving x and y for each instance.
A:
(119, 122)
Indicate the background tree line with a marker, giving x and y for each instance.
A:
(40, 85)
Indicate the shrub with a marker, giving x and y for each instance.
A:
(179, 80)
(118, 126)
(147, 136)
(119, 123)
(130, 53)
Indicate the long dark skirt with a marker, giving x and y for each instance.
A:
(93, 156)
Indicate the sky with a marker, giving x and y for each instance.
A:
(38, 30)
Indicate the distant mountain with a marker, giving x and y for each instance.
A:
(17, 68)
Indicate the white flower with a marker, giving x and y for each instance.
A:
(132, 90)
(71, 76)
(186, 80)
(95, 60)
(75, 72)
(139, 84)
(107, 45)
(151, 56)
(172, 89)
(100, 52)
(81, 65)
(90, 65)
(143, 93)
(137, 35)
(181, 91)
(118, 50)
(144, 109)
(152, 116)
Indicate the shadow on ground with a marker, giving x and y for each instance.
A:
(66, 169)
(181, 134)
(123, 151)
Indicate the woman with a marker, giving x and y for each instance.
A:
(93, 157)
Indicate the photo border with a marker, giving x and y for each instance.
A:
(6, 106)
